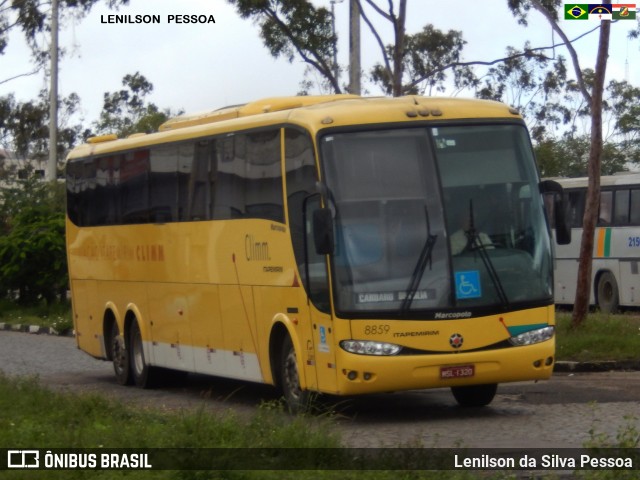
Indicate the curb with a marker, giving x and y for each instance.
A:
(601, 366)
(35, 329)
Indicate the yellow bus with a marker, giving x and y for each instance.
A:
(331, 244)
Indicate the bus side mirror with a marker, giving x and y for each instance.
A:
(563, 230)
(323, 231)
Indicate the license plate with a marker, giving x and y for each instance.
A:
(458, 371)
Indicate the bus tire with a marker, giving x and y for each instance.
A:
(475, 395)
(607, 293)
(120, 356)
(297, 399)
(143, 375)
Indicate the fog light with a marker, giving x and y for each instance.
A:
(367, 376)
(549, 361)
(537, 363)
(352, 375)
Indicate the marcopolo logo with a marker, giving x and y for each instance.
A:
(23, 459)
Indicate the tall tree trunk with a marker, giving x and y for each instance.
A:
(399, 48)
(583, 287)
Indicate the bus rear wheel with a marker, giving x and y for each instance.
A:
(144, 375)
(296, 398)
(120, 356)
(475, 395)
(608, 299)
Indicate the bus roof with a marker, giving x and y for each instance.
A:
(311, 112)
(624, 178)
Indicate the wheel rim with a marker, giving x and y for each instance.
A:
(119, 355)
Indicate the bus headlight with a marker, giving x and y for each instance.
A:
(533, 336)
(366, 347)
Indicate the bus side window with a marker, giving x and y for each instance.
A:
(250, 177)
(163, 183)
(606, 208)
(634, 218)
(576, 208)
(621, 207)
(301, 179)
(202, 181)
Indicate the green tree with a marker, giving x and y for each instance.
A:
(24, 129)
(569, 156)
(623, 100)
(127, 111)
(594, 98)
(32, 247)
(291, 28)
(296, 28)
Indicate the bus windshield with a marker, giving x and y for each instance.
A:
(431, 219)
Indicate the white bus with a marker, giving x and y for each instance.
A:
(616, 252)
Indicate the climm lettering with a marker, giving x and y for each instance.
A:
(256, 250)
(150, 253)
(129, 18)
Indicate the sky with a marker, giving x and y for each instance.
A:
(197, 67)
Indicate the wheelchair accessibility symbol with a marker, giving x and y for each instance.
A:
(468, 284)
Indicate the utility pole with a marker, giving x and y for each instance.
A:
(52, 165)
(354, 47)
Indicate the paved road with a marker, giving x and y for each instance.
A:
(552, 414)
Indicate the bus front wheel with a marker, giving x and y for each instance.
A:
(120, 356)
(475, 395)
(296, 398)
(608, 299)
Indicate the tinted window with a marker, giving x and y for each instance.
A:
(237, 176)
(301, 185)
(621, 212)
(250, 177)
(576, 208)
(635, 207)
(606, 208)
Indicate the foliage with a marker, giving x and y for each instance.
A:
(568, 157)
(24, 127)
(126, 111)
(295, 27)
(427, 56)
(57, 315)
(598, 339)
(558, 115)
(30, 16)
(535, 85)
(625, 444)
(32, 246)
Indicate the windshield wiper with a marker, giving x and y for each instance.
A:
(418, 271)
(474, 243)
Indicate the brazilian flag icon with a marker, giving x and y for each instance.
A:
(579, 11)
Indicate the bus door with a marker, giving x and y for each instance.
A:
(317, 285)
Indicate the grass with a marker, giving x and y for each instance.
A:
(600, 338)
(35, 417)
(57, 315)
